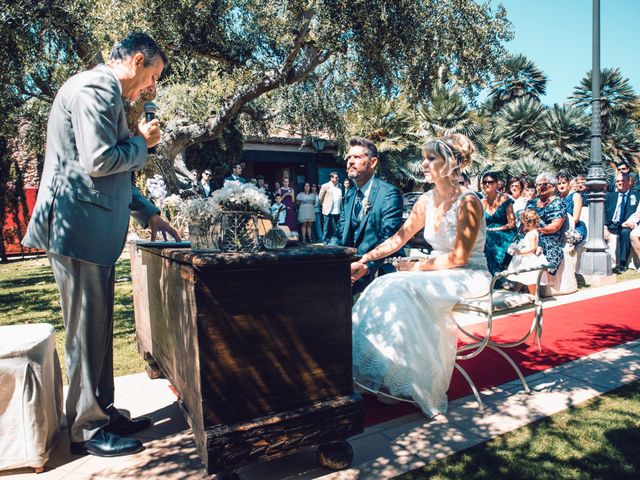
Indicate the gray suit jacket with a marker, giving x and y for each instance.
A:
(86, 195)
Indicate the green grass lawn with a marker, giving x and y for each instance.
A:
(596, 440)
(28, 294)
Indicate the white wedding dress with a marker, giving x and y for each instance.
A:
(404, 335)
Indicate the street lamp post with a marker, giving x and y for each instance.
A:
(595, 262)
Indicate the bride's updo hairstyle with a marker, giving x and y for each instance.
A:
(457, 145)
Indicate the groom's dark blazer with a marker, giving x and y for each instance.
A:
(380, 221)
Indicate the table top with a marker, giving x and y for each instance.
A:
(181, 252)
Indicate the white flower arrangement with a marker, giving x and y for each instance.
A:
(157, 188)
(238, 196)
(199, 210)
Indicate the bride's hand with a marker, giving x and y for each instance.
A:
(407, 265)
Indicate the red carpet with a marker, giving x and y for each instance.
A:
(569, 332)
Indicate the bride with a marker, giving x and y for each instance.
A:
(404, 336)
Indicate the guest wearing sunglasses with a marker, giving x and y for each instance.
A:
(552, 212)
(501, 222)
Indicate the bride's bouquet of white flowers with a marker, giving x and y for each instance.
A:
(243, 197)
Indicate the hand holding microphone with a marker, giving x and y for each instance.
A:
(149, 127)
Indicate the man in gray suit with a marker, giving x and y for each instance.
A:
(81, 219)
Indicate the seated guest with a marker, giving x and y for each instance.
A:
(633, 222)
(372, 209)
(236, 174)
(501, 222)
(404, 335)
(618, 207)
(573, 204)
(552, 213)
(623, 167)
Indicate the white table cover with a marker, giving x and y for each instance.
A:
(30, 395)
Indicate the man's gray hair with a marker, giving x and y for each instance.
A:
(135, 42)
(547, 177)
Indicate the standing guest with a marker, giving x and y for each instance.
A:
(306, 212)
(264, 188)
(529, 191)
(404, 335)
(501, 222)
(288, 200)
(516, 191)
(276, 189)
(525, 253)
(81, 219)
(573, 204)
(331, 199)
(552, 213)
(236, 174)
(618, 207)
(205, 186)
(346, 185)
(317, 225)
(278, 210)
(581, 184)
(372, 208)
(573, 185)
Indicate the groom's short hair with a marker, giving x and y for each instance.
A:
(368, 145)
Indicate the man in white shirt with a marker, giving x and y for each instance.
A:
(236, 174)
(330, 197)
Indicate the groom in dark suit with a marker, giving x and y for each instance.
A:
(618, 207)
(372, 211)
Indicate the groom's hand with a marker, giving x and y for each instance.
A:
(358, 270)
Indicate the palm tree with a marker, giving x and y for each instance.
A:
(564, 139)
(520, 78)
(522, 120)
(620, 139)
(618, 97)
(445, 113)
(389, 123)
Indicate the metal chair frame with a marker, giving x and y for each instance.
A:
(489, 310)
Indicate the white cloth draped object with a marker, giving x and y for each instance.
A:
(30, 395)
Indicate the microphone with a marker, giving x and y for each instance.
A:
(149, 114)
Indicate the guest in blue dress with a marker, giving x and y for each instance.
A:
(552, 212)
(501, 222)
(573, 204)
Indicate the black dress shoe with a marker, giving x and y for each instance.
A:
(106, 444)
(126, 426)
(619, 269)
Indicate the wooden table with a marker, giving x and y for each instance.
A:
(257, 346)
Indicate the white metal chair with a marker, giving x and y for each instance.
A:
(496, 302)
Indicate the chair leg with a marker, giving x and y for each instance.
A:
(513, 364)
(471, 384)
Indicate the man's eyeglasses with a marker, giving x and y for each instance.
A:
(488, 182)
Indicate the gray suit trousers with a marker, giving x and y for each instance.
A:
(86, 297)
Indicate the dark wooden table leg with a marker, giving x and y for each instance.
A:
(335, 455)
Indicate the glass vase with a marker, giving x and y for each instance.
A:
(275, 238)
(236, 231)
(201, 237)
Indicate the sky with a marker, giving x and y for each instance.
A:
(556, 35)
